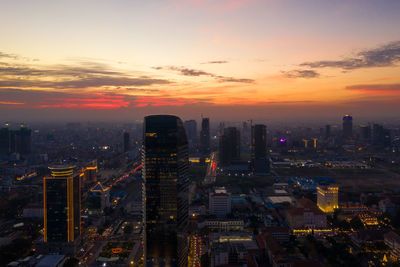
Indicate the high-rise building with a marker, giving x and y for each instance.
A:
(365, 132)
(347, 126)
(205, 136)
(98, 199)
(15, 141)
(165, 169)
(4, 141)
(191, 131)
(327, 198)
(327, 131)
(229, 146)
(62, 205)
(126, 142)
(260, 162)
(380, 136)
(219, 202)
(89, 173)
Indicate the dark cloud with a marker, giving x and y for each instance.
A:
(384, 56)
(194, 73)
(301, 74)
(374, 87)
(216, 62)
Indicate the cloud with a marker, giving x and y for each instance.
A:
(383, 56)
(376, 89)
(60, 99)
(78, 75)
(216, 62)
(301, 74)
(195, 73)
(6, 55)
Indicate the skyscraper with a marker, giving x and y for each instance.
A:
(126, 142)
(347, 126)
(191, 131)
(327, 131)
(365, 132)
(205, 136)
(229, 146)
(260, 162)
(62, 205)
(15, 141)
(165, 167)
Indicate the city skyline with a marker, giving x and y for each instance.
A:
(258, 59)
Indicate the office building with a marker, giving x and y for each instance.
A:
(89, 173)
(15, 141)
(127, 145)
(347, 126)
(229, 146)
(365, 132)
(327, 131)
(191, 132)
(327, 198)
(380, 136)
(205, 136)
(260, 162)
(62, 206)
(165, 167)
(219, 202)
(98, 199)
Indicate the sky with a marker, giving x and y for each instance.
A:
(226, 59)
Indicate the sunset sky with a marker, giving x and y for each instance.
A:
(122, 59)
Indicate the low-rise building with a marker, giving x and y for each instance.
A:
(392, 240)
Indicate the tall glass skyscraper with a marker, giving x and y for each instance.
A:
(62, 205)
(165, 168)
(205, 137)
(347, 126)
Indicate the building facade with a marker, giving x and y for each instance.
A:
(62, 205)
(165, 167)
(327, 198)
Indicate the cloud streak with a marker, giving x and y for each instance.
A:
(383, 56)
(196, 73)
(216, 62)
(80, 75)
(307, 74)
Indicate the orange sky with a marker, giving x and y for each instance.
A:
(226, 58)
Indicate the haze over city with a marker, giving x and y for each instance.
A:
(232, 59)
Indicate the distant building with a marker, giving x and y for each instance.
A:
(62, 206)
(327, 198)
(327, 131)
(98, 199)
(15, 141)
(33, 211)
(347, 126)
(305, 215)
(205, 137)
(380, 136)
(392, 240)
(229, 146)
(191, 132)
(90, 172)
(260, 161)
(220, 202)
(127, 145)
(165, 167)
(365, 132)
